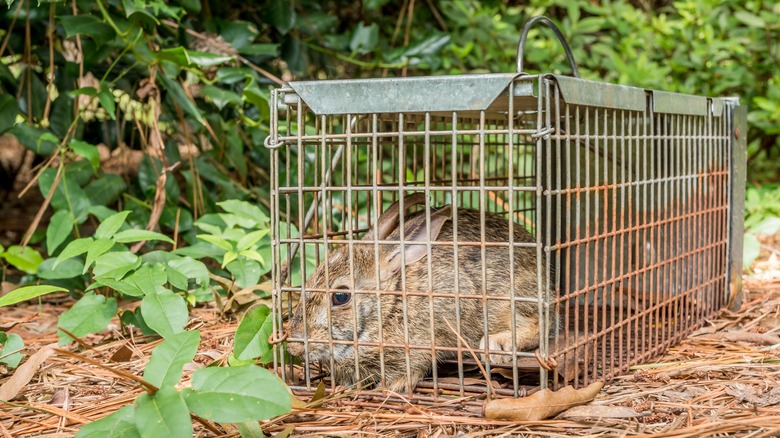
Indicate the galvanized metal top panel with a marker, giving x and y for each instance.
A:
(416, 94)
(675, 103)
(576, 91)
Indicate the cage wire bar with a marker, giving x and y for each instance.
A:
(565, 229)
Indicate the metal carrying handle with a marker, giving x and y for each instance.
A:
(558, 33)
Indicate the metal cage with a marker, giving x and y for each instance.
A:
(628, 203)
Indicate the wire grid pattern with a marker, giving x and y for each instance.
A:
(628, 211)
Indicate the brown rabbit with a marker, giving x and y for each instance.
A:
(331, 311)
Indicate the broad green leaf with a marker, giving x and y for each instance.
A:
(220, 97)
(206, 59)
(91, 314)
(260, 50)
(217, 241)
(29, 137)
(115, 264)
(105, 190)
(164, 312)
(246, 272)
(25, 259)
(107, 101)
(364, 38)
(250, 239)
(176, 55)
(77, 247)
(85, 24)
(69, 195)
(125, 287)
(97, 249)
(11, 343)
(149, 278)
(230, 257)
(163, 414)
(237, 394)
(70, 268)
(168, 358)
(254, 255)
(60, 226)
(281, 14)
(768, 227)
(111, 225)
(251, 339)
(185, 268)
(245, 210)
(134, 235)
(28, 292)
(9, 107)
(750, 19)
(86, 151)
(120, 424)
(751, 250)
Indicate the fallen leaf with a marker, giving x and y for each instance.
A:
(123, 354)
(770, 323)
(25, 373)
(9, 326)
(601, 411)
(541, 405)
(59, 397)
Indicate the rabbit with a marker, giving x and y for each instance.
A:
(331, 315)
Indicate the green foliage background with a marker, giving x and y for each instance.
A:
(183, 86)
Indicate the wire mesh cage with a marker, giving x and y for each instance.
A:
(494, 234)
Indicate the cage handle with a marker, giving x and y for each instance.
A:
(558, 34)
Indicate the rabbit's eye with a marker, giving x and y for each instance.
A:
(340, 298)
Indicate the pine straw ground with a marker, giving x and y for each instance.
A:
(721, 381)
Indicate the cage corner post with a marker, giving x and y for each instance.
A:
(737, 173)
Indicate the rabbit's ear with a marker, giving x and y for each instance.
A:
(388, 221)
(415, 238)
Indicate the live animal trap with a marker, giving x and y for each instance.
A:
(497, 233)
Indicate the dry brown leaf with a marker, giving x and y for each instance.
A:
(770, 323)
(541, 405)
(25, 373)
(123, 354)
(601, 411)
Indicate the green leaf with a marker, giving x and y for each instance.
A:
(135, 235)
(60, 226)
(168, 358)
(246, 272)
(176, 55)
(91, 314)
(29, 137)
(163, 414)
(11, 343)
(105, 190)
(181, 98)
(25, 259)
(77, 247)
(111, 225)
(86, 151)
(751, 250)
(251, 239)
(364, 38)
(97, 249)
(185, 268)
(107, 101)
(206, 59)
(216, 241)
(115, 264)
(164, 312)
(244, 210)
(125, 287)
(230, 256)
(260, 50)
(150, 278)
(70, 268)
(220, 97)
(750, 19)
(9, 107)
(281, 14)
(28, 292)
(84, 24)
(120, 424)
(768, 227)
(251, 339)
(231, 395)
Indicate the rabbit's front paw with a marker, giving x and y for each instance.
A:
(498, 341)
